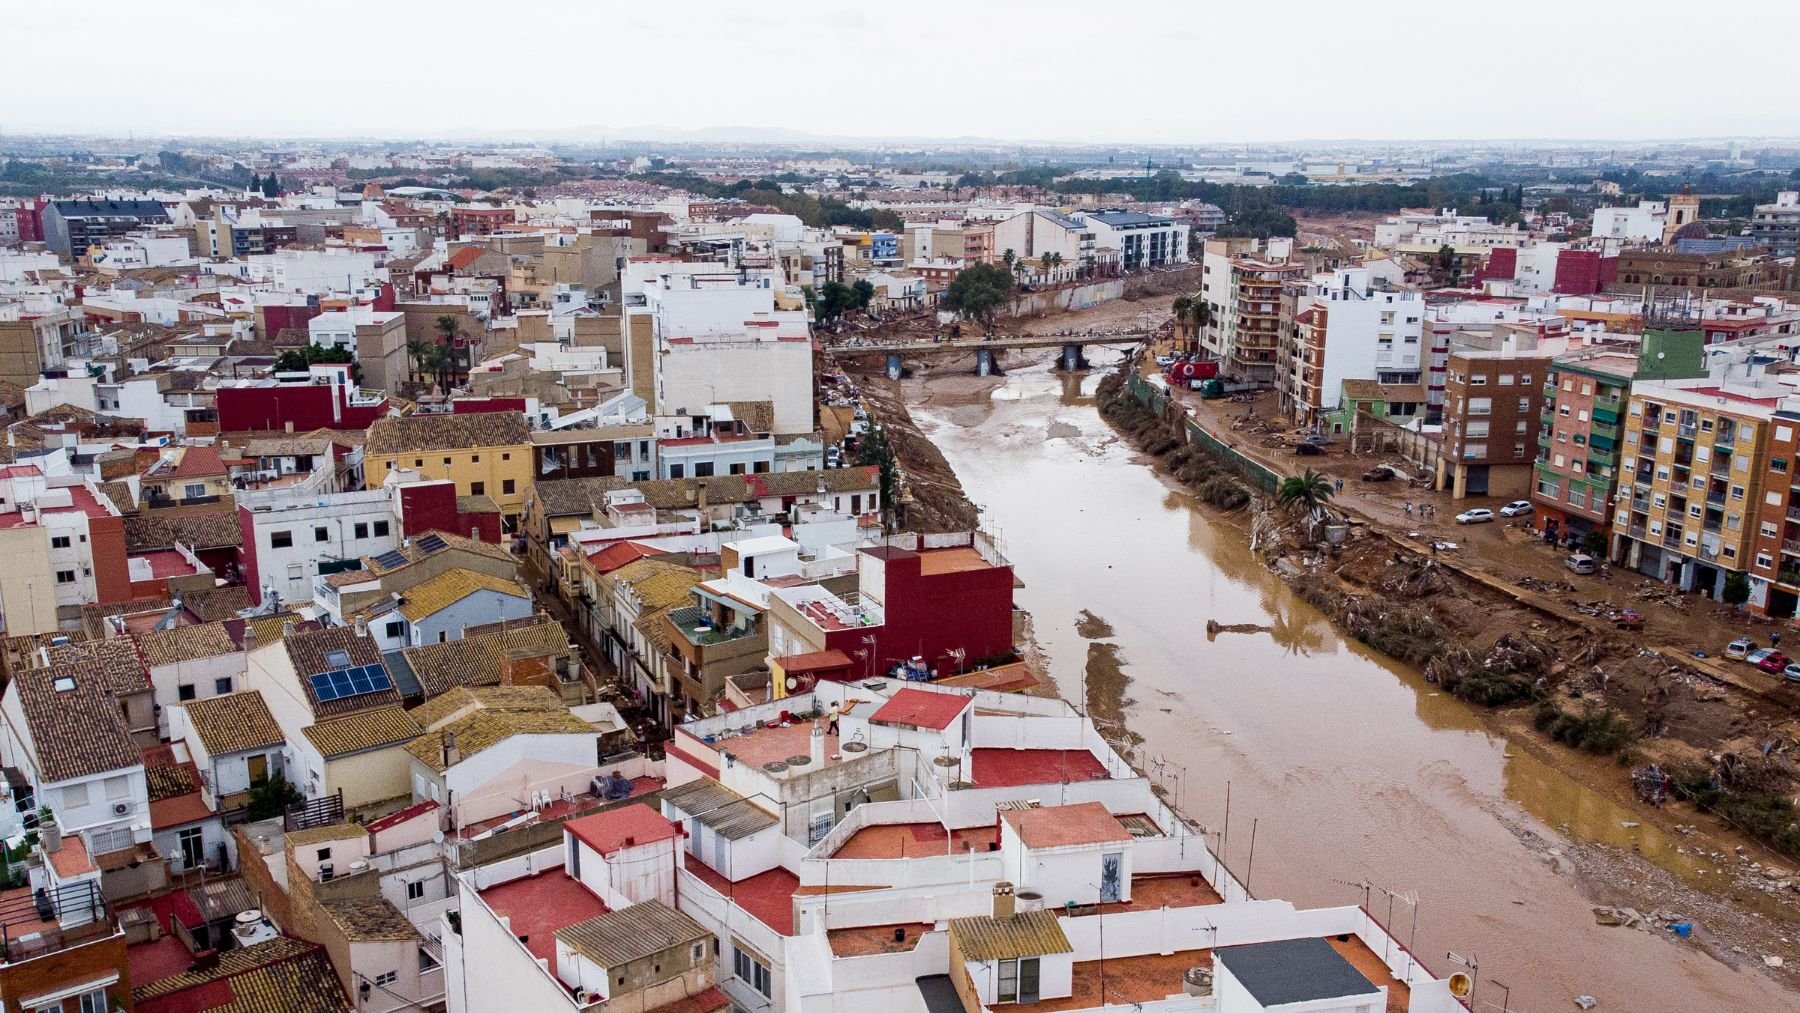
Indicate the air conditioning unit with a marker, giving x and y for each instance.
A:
(121, 808)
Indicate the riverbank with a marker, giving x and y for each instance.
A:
(1537, 678)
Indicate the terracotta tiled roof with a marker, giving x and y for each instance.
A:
(618, 554)
(385, 726)
(451, 586)
(657, 584)
(234, 723)
(486, 728)
(326, 834)
(757, 416)
(186, 643)
(114, 665)
(440, 710)
(317, 651)
(431, 433)
(198, 461)
(77, 731)
(210, 530)
(567, 497)
(368, 920)
(219, 603)
(921, 709)
(475, 660)
(283, 975)
(678, 493)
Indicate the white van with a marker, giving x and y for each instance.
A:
(1581, 562)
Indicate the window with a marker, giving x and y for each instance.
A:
(321, 534)
(747, 968)
(65, 576)
(1477, 381)
(222, 685)
(415, 890)
(396, 628)
(381, 529)
(475, 459)
(418, 462)
(1505, 380)
(281, 539)
(505, 457)
(477, 488)
(361, 531)
(75, 796)
(1017, 981)
(1524, 404)
(506, 487)
(386, 978)
(184, 692)
(194, 490)
(91, 1002)
(446, 462)
(59, 542)
(1777, 464)
(703, 469)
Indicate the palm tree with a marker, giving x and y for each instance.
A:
(447, 328)
(1051, 262)
(415, 354)
(1010, 258)
(1309, 491)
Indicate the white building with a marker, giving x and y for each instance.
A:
(1142, 240)
(1641, 224)
(1350, 328)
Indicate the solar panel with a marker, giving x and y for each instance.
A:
(343, 682)
(433, 543)
(390, 559)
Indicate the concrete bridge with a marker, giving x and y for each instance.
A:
(984, 348)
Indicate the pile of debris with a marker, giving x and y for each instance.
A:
(1543, 586)
(1659, 593)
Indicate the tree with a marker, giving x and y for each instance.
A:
(271, 188)
(1737, 589)
(415, 356)
(1009, 258)
(835, 299)
(1309, 492)
(863, 293)
(876, 451)
(1050, 262)
(978, 292)
(272, 798)
(447, 327)
(1594, 542)
(296, 360)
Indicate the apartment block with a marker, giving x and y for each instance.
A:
(1579, 438)
(1492, 407)
(1696, 454)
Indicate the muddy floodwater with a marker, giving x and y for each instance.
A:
(1352, 768)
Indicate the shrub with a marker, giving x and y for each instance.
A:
(1489, 688)
(1595, 729)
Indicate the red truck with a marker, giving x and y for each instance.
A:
(1188, 374)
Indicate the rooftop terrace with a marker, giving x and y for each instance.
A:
(768, 896)
(539, 905)
(562, 807)
(1006, 768)
(914, 840)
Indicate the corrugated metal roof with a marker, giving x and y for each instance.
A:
(641, 930)
(730, 815)
(1025, 934)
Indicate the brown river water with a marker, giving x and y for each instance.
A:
(1351, 766)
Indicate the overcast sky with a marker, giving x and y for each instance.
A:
(1183, 71)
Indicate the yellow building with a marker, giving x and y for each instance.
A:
(485, 454)
(1690, 473)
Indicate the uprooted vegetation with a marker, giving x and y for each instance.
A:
(1752, 795)
(1211, 480)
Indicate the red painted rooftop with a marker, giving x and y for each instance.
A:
(394, 819)
(1008, 768)
(625, 827)
(539, 905)
(921, 709)
(768, 896)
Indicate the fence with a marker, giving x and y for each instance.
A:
(1160, 401)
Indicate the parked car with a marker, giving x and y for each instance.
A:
(1791, 673)
(1381, 474)
(1768, 659)
(1479, 515)
(1516, 508)
(1309, 450)
(1581, 562)
(1740, 648)
(1165, 360)
(1318, 439)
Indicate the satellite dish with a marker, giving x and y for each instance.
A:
(1461, 985)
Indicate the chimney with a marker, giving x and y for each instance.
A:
(818, 743)
(474, 533)
(1003, 899)
(249, 638)
(287, 629)
(290, 428)
(452, 755)
(362, 625)
(700, 500)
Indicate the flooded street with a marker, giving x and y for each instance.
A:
(1349, 767)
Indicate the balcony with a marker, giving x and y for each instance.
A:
(1549, 390)
(1636, 531)
(1687, 431)
(1607, 429)
(1612, 404)
(1671, 539)
(38, 924)
(1790, 546)
(1793, 513)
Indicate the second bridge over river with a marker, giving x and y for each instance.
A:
(898, 352)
